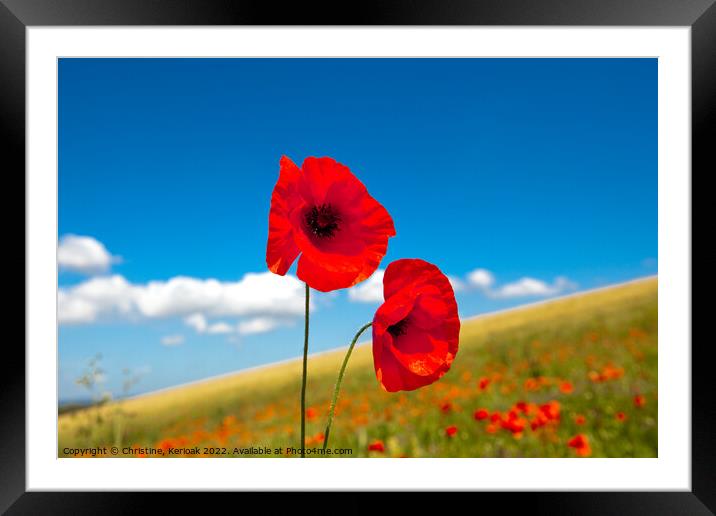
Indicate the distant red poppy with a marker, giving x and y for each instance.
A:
(311, 413)
(483, 383)
(639, 400)
(620, 416)
(376, 446)
(551, 410)
(481, 414)
(446, 407)
(580, 443)
(579, 419)
(566, 387)
(323, 212)
(522, 406)
(451, 431)
(416, 330)
(514, 423)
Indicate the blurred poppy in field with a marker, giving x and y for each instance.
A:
(620, 416)
(639, 400)
(166, 445)
(551, 410)
(481, 414)
(324, 213)
(446, 407)
(514, 423)
(594, 376)
(316, 439)
(451, 431)
(566, 387)
(610, 372)
(580, 443)
(579, 419)
(522, 406)
(311, 413)
(484, 383)
(416, 330)
(376, 446)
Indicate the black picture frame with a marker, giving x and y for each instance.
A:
(17, 15)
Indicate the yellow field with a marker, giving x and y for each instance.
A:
(592, 356)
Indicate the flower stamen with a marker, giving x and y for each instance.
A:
(399, 328)
(323, 221)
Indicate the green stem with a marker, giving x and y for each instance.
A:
(303, 383)
(338, 383)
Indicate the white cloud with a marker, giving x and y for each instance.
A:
(102, 296)
(172, 340)
(196, 321)
(258, 325)
(481, 278)
(219, 328)
(201, 325)
(531, 287)
(370, 291)
(195, 300)
(84, 254)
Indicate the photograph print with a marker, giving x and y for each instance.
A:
(357, 257)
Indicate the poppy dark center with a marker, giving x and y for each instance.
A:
(323, 221)
(399, 328)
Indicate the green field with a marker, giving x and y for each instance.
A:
(585, 364)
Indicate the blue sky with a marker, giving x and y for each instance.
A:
(541, 174)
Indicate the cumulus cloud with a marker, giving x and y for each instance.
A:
(481, 278)
(101, 296)
(531, 287)
(259, 325)
(262, 296)
(196, 321)
(219, 328)
(370, 291)
(84, 254)
(172, 340)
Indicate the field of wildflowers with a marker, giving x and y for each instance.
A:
(573, 377)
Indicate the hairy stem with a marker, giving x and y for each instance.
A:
(303, 382)
(338, 383)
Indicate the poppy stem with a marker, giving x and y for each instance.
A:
(303, 382)
(338, 383)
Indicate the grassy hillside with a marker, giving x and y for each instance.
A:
(583, 365)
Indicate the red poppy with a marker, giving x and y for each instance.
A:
(522, 406)
(416, 330)
(311, 413)
(323, 212)
(620, 416)
(580, 443)
(566, 387)
(639, 400)
(579, 419)
(446, 407)
(514, 423)
(481, 414)
(376, 446)
(451, 431)
(483, 383)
